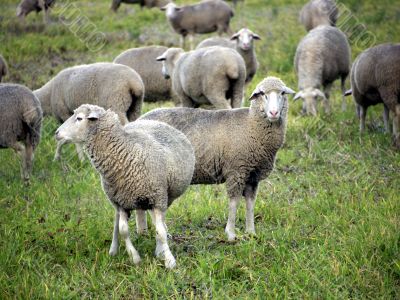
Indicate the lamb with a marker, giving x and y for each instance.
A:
(3, 67)
(145, 165)
(20, 123)
(242, 42)
(236, 146)
(143, 3)
(113, 86)
(375, 78)
(322, 56)
(203, 17)
(27, 6)
(143, 61)
(319, 12)
(207, 75)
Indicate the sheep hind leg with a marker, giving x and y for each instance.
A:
(396, 126)
(362, 114)
(20, 150)
(27, 162)
(386, 118)
(114, 244)
(162, 249)
(343, 86)
(325, 101)
(124, 231)
(250, 194)
(141, 221)
(230, 225)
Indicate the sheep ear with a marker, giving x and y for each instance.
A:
(162, 57)
(348, 92)
(288, 91)
(298, 96)
(255, 94)
(256, 36)
(235, 36)
(93, 115)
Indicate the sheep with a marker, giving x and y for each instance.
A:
(145, 165)
(147, 3)
(110, 85)
(319, 12)
(27, 6)
(203, 17)
(207, 75)
(20, 123)
(322, 56)
(375, 78)
(237, 146)
(143, 61)
(242, 42)
(3, 67)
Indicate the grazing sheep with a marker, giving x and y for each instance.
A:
(375, 78)
(319, 12)
(27, 6)
(203, 17)
(322, 56)
(20, 123)
(208, 75)
(143, 166)
(235, 146)
(242, 42)
(3, 67)
(147, 3)
(143, 61)
(110, 85)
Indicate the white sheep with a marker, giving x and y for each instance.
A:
(145, 165)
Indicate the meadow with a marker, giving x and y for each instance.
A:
(327, 218)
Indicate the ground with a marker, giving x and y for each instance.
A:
(327, 219)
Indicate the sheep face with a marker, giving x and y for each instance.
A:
(244, 39)
(271, 103)
(310, 97)
(171, 9)
(169, 59)
(75, 128)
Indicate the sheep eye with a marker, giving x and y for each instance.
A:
(78, 118)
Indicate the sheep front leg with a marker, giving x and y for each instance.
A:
(124, 231)
(363, 114)
(396, 126)
(250, 194)
(114, 244)
(230, 225)
(386, 118)
(27, 162)
(141, 221)
(343, 86)
(162, 248)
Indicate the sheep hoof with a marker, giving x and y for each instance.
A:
(113, 251)
(251, 231)
(170, 262)
(136, 259)
(231, 236)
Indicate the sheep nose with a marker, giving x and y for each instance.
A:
(273, 113)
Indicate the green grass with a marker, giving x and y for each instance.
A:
(327, 219)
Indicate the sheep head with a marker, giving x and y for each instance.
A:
(244, 38)
(269, 98)
(171, 9)
(169, 59)
(310, 97)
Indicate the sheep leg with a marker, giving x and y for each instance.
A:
(363, 114)
(343, 86)
(237, 95)
(191, 44)
(124, 231)
(230, 225)
(141, 221)
(20, 150)
(386, 118)
(183, 41)
(81, 153)
(162, 249)
(27, 162)
(250, 194)
(114, 244)
(396, 126)
(60, 143)
(325, 101)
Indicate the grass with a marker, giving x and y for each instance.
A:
(327, 218)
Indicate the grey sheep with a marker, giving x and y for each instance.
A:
(235, 146)
(110, 85)
(143, 166)
(319, 12)
(143, 61)
(3, 68)
(20, 123)
(143, 3)
(27, 6)
(213, 75)
(375, 78)
(203, 17)
(322, 56)
(242, 42)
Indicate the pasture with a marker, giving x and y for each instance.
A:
(327, 218)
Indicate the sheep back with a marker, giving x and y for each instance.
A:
(143, 61)
(20, 116)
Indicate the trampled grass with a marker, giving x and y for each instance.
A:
(327, 219)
